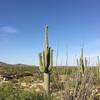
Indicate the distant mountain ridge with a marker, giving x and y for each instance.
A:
(2, 63)
(21, 65)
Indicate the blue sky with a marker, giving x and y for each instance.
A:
(71, 23)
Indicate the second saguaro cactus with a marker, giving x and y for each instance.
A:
(82, 62)
(46, 62)
(98, 67)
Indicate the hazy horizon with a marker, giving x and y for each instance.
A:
(72, 24)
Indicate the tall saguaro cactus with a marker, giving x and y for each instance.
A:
(46, 62)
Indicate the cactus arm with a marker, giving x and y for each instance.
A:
(80, 62)
(51, 59)
(43, 58)
(77, 62)
(81, 53)
(98, 62)
(85, 62)
(83, 66)
(46, 57)
(40, 59)
(41, 67)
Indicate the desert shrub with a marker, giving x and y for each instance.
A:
(83, 90)
(9, 91)
(11, 72)
(68, 70)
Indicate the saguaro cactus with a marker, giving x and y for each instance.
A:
(82, 62)
(98, 67)
(46, 62)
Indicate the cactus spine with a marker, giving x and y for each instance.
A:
(46, 62)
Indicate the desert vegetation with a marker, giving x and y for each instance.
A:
(48, 82)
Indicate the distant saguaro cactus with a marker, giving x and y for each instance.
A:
(46, 62)
(98, 66)
(82, 62)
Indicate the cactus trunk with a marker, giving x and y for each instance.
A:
(47, 82)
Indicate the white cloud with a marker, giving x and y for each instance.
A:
(6, 32)
(7, 29)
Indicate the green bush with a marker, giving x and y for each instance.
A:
(9, 91)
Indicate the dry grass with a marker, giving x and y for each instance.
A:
(84, 89)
